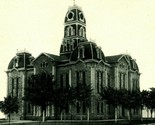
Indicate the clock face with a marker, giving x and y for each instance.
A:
(70, 16)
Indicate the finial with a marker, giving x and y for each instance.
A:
(74, 2)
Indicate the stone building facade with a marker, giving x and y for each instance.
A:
(80, 61)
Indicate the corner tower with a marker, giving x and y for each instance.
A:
(74, 31)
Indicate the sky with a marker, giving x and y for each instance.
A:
(117, 26)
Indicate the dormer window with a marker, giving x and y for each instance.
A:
(30, 59)
(99, 54)
(81, 52)
(133, 63)
(16, 61)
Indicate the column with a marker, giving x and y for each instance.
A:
(92, 77)
(116, 77)
(70, 77)
(35, 70)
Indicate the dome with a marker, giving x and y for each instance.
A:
(21, 60)
(75, 13)
(87, 50)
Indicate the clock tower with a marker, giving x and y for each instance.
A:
(74, 31)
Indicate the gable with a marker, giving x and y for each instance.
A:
(124, 62)
(42, 61)
(47, 56)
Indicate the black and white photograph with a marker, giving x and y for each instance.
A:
(77, 62)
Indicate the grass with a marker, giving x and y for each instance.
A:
(78, 122)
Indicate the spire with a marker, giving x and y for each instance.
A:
(74, 2)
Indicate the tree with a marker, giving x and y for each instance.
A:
(62, 98)
(9, 105)
(131, 100)
(1, 102)
(83, 96)
(148, 100)
(145, 99)
(39, 91)
(152, 100)
(112, 97)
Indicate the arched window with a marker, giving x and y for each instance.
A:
(82, 32)
(70, 31)
(72, 45)
(69, 45)
(65, 47)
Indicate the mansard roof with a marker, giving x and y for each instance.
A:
(89, 51)
(21, 60)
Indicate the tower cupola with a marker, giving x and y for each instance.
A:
(74, 30)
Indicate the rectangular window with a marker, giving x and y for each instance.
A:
(78, 108)
(136, 111)
(84, 77)
(84, 107)
(29, 108)
(123, 111)
(13, 85)
(81, 77)
(98, 107)
(98, 84)
(61, 81)
(108, 80)
(101, 81)
(77, 78)
(135, 84)
(67, 80)
(129, 86)
(120, 80)
(123, 80)
(102, 107)
(67, 108)
(17, 86)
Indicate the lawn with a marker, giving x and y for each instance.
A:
(69, 122)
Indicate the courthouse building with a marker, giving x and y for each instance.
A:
(79, 61)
